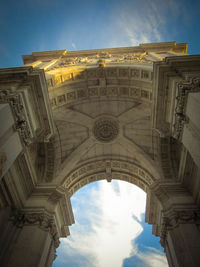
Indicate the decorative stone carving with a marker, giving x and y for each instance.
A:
(132, 58)
(184, 216)
(2, 161)
(185, 87)
(21, 124)
(175, 218)
(42, 220)
(121, 170)
(105, 129)
(165, 226)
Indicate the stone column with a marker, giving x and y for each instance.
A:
(191, 132)
(182, 239)
(28, 239)
(10, 144)
(178, 223)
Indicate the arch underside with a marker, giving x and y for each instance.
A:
(110, 116)
(107, 170)
(120, 96)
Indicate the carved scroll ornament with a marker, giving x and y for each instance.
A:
(16, 104)
(42, 220)
(175, 219)
(184, 88)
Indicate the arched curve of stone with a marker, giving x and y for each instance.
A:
(78, 84)
(122, 93)
(149, 110)
(108, 169)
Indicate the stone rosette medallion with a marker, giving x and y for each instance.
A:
(105, 129)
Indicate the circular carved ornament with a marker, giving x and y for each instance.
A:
(105, 129)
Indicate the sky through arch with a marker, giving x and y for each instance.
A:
(109, 229)
(41, 25)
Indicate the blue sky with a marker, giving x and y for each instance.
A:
(110, 229)
(27, 26)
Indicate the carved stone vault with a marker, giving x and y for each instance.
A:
(72, 118)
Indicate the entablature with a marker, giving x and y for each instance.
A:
(140, 52)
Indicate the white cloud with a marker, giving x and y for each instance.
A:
(142, 21)
(117, 227)
(105, 225)
(74, 46)
(153, 258)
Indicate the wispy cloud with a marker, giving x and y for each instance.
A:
(143, 21)
(107, 225)
(73, 46)
(150, 257)
(154, 258)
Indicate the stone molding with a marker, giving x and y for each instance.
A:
(25, 89)
(70, 86)
(106, 52)
(165, 189)
(173, 79)
(46, 162)
(16, 104)
(173, 211)
(184, 88)
(172, 219)
(2, 161)
(102, 58)
(108, 169)
(105, 129)
(42, 220)
(70, 95)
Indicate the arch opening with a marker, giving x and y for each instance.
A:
(110, 228)
(108, 169)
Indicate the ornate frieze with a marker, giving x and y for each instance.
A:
(102, 58)
(96, 171)
(131, 178)
(134, 92)
(70, 75)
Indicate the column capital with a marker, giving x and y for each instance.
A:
(43, 220)
(173, 218)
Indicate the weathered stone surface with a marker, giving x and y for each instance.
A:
(122, 113)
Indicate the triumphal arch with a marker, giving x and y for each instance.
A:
(71, 118)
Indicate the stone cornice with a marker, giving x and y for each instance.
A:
(21, 121)
(26, 90)
(163, 46)
(184, 88)
(173, 79)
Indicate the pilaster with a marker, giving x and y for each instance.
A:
(178, 223)
(29, 239)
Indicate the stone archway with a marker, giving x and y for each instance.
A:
(110, 113)
(108, 170)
